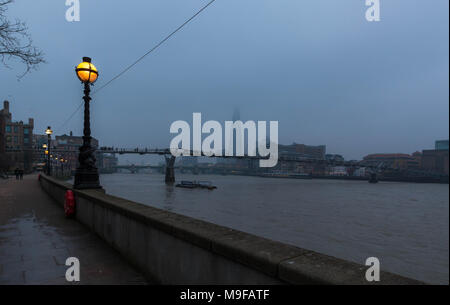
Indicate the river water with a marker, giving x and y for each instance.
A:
(404, 225)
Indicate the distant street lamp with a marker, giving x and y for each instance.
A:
(86, 175)
(48, 132)
(62, 166)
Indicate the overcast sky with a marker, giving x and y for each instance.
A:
(317, 66)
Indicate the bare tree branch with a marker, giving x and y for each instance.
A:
(15, 42)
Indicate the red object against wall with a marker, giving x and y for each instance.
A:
(69, 204)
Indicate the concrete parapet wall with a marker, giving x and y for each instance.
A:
(169, 248)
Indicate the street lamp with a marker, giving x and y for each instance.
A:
(62, 166)
(48, 132)
(86, 175)
(44, 146)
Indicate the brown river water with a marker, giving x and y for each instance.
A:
(404, 225)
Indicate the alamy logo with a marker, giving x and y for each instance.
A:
(73, 12)
(234, 145)
(373, 272)
(373, 12)
(73, 272)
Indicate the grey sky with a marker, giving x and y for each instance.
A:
(329, 76)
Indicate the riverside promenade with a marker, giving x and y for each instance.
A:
(36, 239)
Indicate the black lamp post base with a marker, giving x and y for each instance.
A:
(86, 179)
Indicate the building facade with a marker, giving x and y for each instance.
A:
(396, 161)
(39, 156)
(107, 163)
(4, 161)
(288, 154)
(68, 147)
(435, 161)
(441, 145)
(302, 151)
(16, 142)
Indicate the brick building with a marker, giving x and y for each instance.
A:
(16, 141)
(68, 147)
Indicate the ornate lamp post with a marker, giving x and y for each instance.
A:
(48, 132)
(86, 175)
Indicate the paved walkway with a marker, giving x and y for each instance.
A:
(36, 239)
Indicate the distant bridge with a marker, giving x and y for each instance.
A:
(170, 167)
(170, 160)
(200, 168)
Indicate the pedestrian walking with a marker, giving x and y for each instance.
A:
(21, 174)
(16, 172)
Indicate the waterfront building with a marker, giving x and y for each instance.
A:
(360, 172)
(107, 163)
(441, 145)
(16, 141)
(302, 151)
(418, 157)
(337, 171)
(396, 161)
(436, 161)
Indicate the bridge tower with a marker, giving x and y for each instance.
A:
(170, 171)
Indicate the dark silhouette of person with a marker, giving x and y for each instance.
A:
(21, 174)
(16, 172)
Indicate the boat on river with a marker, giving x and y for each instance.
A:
(196, 184)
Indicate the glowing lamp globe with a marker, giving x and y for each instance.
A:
(86, 71)
(48, 131)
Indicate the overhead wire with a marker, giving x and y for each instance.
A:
(137, 61)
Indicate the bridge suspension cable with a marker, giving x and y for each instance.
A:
(155, 47)
(69, 118)
(139, 59)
